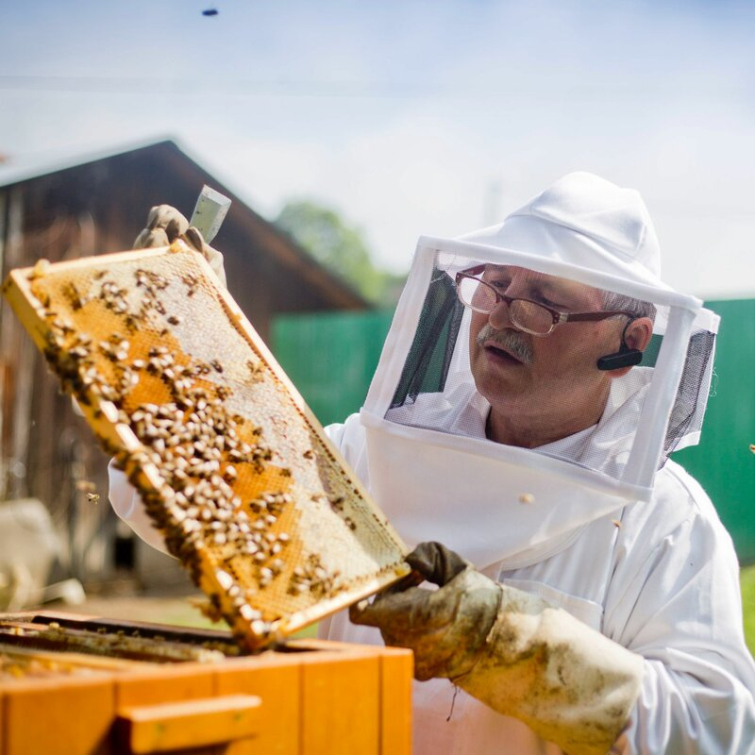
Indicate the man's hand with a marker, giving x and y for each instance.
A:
(446, 628)
(165, 224)
(515, 652)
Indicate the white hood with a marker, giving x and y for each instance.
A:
(437, 477)
(587, 222)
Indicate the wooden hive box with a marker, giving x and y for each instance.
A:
(310, 698)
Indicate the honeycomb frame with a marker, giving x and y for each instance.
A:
(233, 468)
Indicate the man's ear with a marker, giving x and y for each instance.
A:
(636, 336)
(638, 333)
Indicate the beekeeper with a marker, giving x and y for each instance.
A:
(535, 379)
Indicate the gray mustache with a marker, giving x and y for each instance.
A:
(509, 340)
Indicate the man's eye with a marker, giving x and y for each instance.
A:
(546, 302)
(556, 305)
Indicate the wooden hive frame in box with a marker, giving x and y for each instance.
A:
(87, 686)
(234, 469)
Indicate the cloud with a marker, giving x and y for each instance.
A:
(416, 117)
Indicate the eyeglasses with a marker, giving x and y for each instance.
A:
(526, 315)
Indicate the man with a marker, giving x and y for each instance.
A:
(510, 419)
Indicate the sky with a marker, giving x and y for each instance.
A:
(411, 117)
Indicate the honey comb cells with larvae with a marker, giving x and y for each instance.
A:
(234, 469)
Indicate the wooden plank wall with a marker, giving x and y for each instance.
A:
(46, 450)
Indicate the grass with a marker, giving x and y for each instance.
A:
(180, 612)
(747, 581)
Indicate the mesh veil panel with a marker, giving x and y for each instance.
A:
(430, 355)
(687, 414)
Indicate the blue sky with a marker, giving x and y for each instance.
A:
(412, 117)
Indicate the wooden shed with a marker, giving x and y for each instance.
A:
(93, 206)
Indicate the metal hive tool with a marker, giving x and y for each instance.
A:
(233, 467)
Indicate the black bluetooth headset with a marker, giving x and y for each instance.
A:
(624, 357)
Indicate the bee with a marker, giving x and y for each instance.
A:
(74, 296)
(93, 497)
(337, 502)
(256, 371)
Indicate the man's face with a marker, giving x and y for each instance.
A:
(527, 377)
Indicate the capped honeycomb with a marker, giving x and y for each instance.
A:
(233, 468)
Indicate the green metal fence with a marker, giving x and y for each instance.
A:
(723, 462)
(331, 358)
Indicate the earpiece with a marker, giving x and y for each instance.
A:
(624, 357)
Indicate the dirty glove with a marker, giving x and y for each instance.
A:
(165, 224)
(511, 650)
(445, 628)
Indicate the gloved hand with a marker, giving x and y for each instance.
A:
(165, 224)
(513, 651)
(445, 628)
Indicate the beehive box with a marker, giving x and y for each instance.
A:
(78, 686)
(233, 468)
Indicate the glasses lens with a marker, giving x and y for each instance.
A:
(530, 317)
(476, 295)
(525, 315)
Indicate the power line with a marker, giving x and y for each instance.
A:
(562, 86)
(185, 85)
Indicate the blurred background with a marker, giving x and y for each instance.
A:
(342, 131)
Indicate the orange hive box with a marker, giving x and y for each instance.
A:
(83, 686)
(233, 467)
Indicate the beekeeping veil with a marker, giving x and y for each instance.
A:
(432, 468)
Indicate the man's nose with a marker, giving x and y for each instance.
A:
(499, 316)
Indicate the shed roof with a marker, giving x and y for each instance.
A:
(174, 157)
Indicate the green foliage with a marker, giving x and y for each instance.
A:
(747, 581)
(340, 248)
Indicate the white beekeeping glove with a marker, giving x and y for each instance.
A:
(513, 651)
(165, 224)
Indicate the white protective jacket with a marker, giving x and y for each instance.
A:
(661, 580)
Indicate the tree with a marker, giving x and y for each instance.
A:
(340, 248)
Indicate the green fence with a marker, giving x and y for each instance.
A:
(331, 358)
(723, 462)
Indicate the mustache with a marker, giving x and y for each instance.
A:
(509, 340)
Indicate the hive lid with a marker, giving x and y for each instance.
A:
(234, 469)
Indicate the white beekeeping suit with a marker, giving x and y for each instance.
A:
(597, 522)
